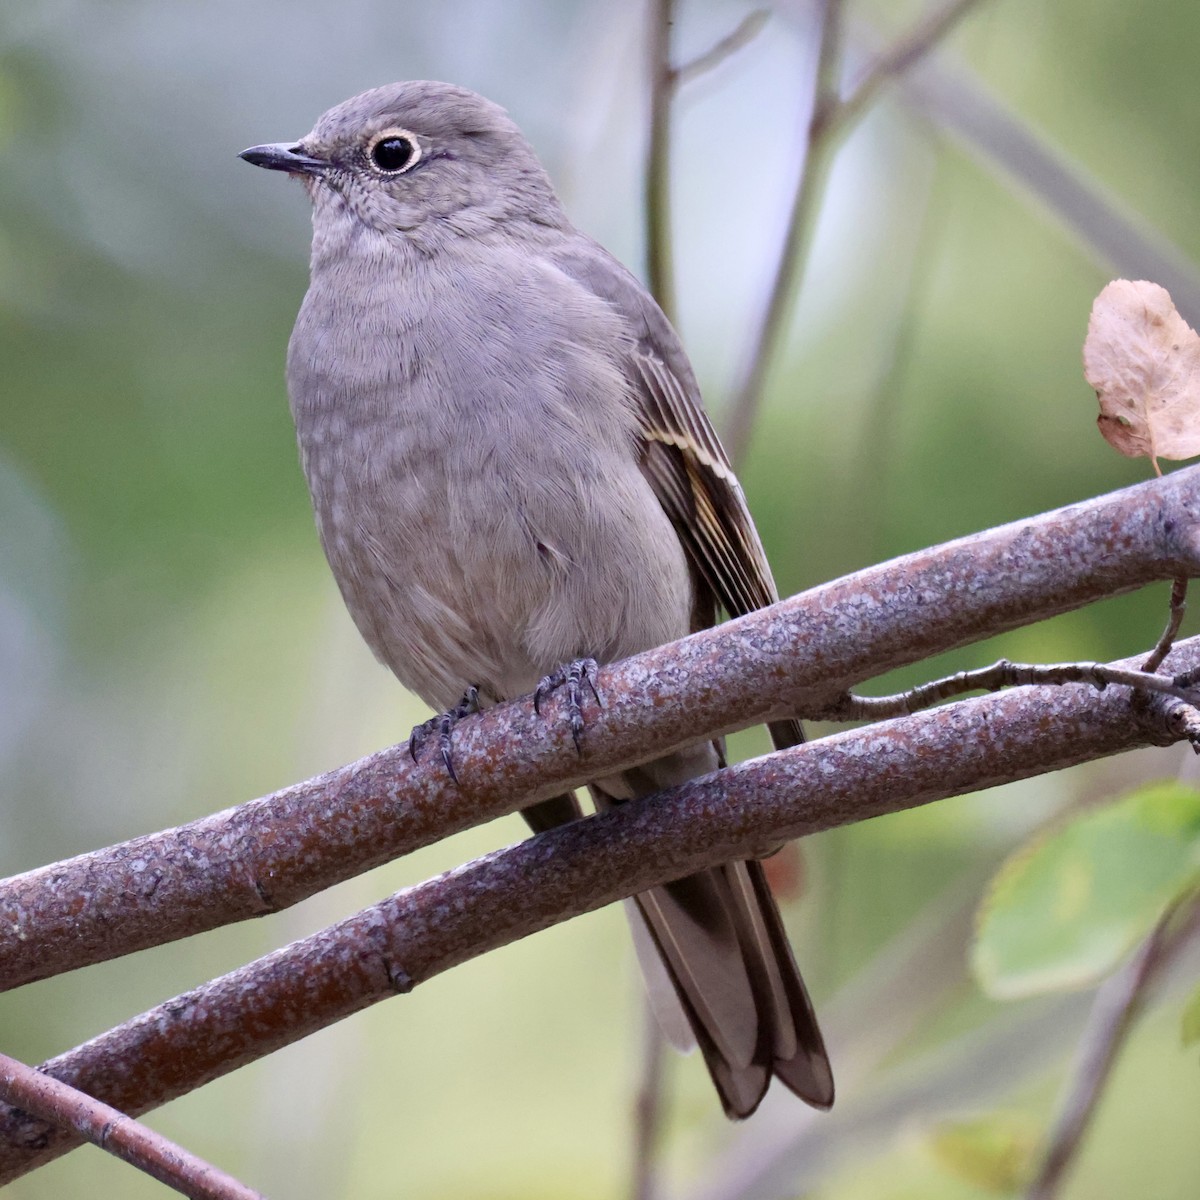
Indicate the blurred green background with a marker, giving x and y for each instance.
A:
(171, 642)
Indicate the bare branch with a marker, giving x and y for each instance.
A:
(768, 330)
(1117, 1005)
(976, 1071)
(38, 1095)
(647, 1113)
(999, 675)
(798, 656)
(665, 81)
(1087, 209)
(657, 172)
(418, 933)
(1178, 609)
(902, 55)
(830, 116)
(661, 276)
(750, 26)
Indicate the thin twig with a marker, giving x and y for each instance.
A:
(976, 1072)
(661, 275)
(657, 206)
(901, 56)
(1123, 241)
(769, 328)
(41, 1096)
(830, 116)
(750, 26)
(1001, 674)
(741, 811)
(665, 81)
(917, 229)
(1178, 608)
(647, 1113)
(1117, 1005)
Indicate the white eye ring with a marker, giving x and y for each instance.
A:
(394, 151)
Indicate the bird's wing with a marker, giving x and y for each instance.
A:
(718, 932)
(682, 456)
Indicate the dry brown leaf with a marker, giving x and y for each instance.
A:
(1143, 359)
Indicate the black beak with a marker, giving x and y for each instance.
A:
(278, 156)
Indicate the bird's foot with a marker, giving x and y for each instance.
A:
(574, 676)
(443, 724)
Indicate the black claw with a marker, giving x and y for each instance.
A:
(444, 724)
(573, 675)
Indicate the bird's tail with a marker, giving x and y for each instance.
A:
(728, 964)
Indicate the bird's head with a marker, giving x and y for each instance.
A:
(401, 157)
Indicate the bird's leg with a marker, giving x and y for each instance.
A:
(444, 723)
(573, 676)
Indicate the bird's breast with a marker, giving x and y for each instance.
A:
(470, 454)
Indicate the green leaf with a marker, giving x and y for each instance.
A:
(1067, 907)
(1191, 1019)
(995, 1153)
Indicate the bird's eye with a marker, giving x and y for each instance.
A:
(394, 151)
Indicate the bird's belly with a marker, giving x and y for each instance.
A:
(471, 569)
(429, 606)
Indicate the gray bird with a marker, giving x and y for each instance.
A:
(511, 470)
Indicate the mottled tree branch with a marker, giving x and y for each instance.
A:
(799, 656)
(422, 931)
(38, 1095)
